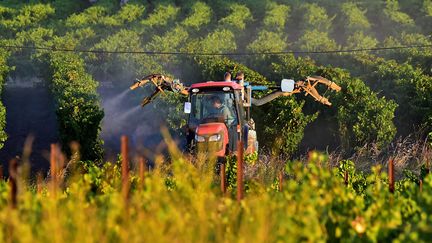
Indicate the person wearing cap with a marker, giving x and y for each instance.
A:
(240, 80)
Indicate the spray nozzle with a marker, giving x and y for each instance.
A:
(138, 83)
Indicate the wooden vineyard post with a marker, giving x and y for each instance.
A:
(142, 163)
(125, 166)
(53, 168)
(39, 183)
(13, 181)
(391, 175)
(346, 178)
(1, 172)
(240, 171)
(223, 178)
(421, 185)
(280, 181)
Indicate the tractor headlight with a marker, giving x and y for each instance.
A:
(214, 138)
(199, 138)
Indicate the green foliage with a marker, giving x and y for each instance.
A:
(103, 15)
(316, 40)
(37, 36)
(4, 69)
(276, 16)
(354, 18)
(393, 13)
(282, 122)
(78, 111)
(427, 6)
(268, 42)
(315, 18)
(117, 41)
(200, 16)
(112, 64)
(359, 40)
(238, 17)
(407, 85)
(357, 180)
(161, 16)
(172, 105)
(419, 58)
(290, 67)
(231, 172)
(130, 12)
(215, 68)
(171, 41)
(363, 117)
(218, 41)
(372, 122)
(12, 20)
(181, 201)
(284, 127)
(66, 8)
(97, 14)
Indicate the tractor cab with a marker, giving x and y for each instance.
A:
(216, 115)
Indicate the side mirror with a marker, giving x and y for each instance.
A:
(187, 107)
(287, 85)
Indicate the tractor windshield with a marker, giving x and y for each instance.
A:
(214, 106)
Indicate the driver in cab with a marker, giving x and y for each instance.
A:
(220, 110)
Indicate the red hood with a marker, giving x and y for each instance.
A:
(210, 128)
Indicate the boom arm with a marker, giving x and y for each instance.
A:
(162, 83)
(306, 86)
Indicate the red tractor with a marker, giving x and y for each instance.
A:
(219, 111)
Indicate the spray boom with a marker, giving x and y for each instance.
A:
(219, 112)
(161, 84)
(307, 86)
